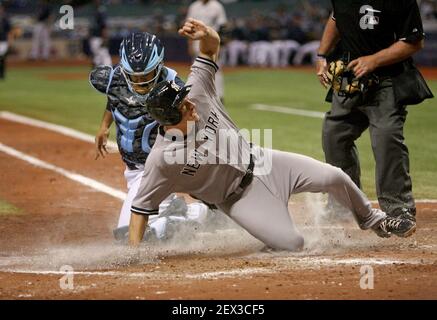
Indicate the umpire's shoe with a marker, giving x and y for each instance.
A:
(397, 226)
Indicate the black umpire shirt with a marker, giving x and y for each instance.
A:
(369, 26)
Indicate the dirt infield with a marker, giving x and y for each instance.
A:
(67, 223)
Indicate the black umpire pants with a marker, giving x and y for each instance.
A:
(348, 119)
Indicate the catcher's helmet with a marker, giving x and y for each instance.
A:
(164, 101)
(142, 56)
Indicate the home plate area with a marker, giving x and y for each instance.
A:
(59, 243)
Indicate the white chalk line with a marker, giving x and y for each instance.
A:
(53, 127)
(94, 184)
(288, 110)
(229, 273)
(153, 275)
(112, 145)
(311, 261)
(304, 262)
(283, 264)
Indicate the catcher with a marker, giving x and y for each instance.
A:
(126, 86)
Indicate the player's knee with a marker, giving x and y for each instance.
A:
(335, 177)
(289, 243)
(295, 243)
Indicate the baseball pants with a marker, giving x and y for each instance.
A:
(348, 119)
(41, 42)
(262, 53)
(284, 49)
(262, 209)
(309, 48)
(236, 49)
(100, 53)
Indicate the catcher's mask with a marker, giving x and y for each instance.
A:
(164, 102)
(141, 61)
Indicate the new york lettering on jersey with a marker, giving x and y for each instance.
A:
(200, 154)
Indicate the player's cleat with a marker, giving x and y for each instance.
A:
(397, 226)
(121, 234)
(177, 207)
(405, 213)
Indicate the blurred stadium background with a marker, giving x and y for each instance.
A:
(248, 20)
(56, 89)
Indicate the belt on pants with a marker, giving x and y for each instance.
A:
(248, 177)
(245, 182)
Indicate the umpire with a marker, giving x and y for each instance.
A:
(372, 79)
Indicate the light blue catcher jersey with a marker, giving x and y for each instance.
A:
(136, 130)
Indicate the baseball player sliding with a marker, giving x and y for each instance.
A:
(127, 85)
(250, 184)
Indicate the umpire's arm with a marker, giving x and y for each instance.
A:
(330, 38)
(397, 52)
(209, 38)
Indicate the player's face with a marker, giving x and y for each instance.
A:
(188, 110)
(143, 83)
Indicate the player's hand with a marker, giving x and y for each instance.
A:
(363, 66)
(322, 72)
(100, 143)
(193, 29)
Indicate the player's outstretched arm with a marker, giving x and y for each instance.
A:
(137, 227)
(208, 37)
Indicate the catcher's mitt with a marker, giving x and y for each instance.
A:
(344, 82)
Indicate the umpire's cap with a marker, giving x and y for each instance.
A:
(164, 101)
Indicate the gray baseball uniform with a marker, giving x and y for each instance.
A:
(215, 176)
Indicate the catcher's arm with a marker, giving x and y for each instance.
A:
(209, 38)
(102, 135)
(330, 38)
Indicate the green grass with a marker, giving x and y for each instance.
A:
(7, 209)
(75, 104)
